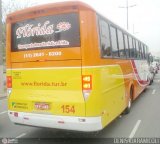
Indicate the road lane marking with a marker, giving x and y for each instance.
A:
(22, 135)
(153, 92)
(3, 112)
(135, 129)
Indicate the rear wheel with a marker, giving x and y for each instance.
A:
(128, 108)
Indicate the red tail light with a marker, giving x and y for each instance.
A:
(86, 82)
(9, 82)
(15, 114)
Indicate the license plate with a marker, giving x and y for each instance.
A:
(42, 106)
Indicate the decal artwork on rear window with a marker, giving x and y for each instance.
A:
(58, 31)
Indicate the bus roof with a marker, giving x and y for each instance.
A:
(48, 7)
(58, 6)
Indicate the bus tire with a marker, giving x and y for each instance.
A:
(128, 108)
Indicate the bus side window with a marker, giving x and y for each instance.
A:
(145, 47)
(115, 51)
(126, 45)
(137, 49)
(134, 48)
(144, 52)
(104, 39)
(121, 44)
(131, 47)
(140, 51)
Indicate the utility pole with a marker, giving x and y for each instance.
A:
(127, 8)
(1, 55)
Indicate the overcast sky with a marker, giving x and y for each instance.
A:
(144, 18)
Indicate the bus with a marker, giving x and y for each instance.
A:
(68, 67)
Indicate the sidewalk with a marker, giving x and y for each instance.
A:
(2, 96)
(4, 93)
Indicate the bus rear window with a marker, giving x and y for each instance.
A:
(56, 31)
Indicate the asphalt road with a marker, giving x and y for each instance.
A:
(142, 121)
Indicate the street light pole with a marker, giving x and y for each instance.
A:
(127, 14)
(127, 8)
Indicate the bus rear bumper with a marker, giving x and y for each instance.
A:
(87, 124)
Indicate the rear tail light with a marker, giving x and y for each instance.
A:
(87, 82)
(9, 82)
(16, 114)
(86, 85)
(9, 85)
